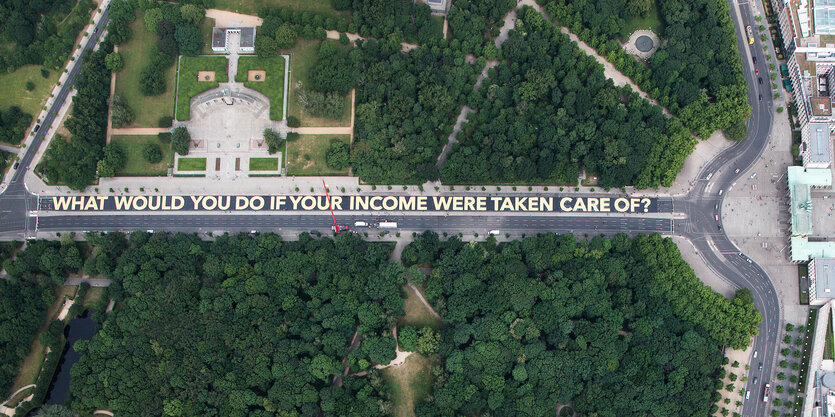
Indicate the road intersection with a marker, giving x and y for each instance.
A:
(695, 216)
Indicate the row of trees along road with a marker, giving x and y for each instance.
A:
(616, 327)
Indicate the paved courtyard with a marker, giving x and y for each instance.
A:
(227, 127)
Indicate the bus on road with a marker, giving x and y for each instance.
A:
(750, 33)
(765, 392)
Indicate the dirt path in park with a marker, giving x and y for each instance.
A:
(322, 130)
(139, 131)
(423, 300)
(226, 18)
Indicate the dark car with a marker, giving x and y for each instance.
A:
(761, 97)
(760, 80)
(761, 366)
(754, 59)
(37, 127)
(16, 164)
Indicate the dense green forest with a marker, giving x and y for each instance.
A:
(40, 32)
(547, 112)
(243, 326)
(697, 74)
(406, 106)
(21, 312)
(250, 325)
(616, 327)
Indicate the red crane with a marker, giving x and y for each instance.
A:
(336, 228)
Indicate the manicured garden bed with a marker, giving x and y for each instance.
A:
(189, 86)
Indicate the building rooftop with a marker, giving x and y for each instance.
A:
(818, 177)
(824, 277)
(803, 249)
(819, 147)
(218, 37)
(821, 106)
(247, 37)
(800, 198)
(801, 210)
(824, 11)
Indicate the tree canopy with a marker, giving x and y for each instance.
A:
(21, 313)
(243, 326)
(406, 105)
(611, 326)
(547, 112)
(697, 73)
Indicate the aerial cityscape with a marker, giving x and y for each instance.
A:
(419, 208)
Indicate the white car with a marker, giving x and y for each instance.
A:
(755, 354)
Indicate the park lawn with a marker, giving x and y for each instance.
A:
(136, 165)
(93, 296)
(302, 58)
(306, 155)
(652, 22)
(136, 54)
(409, 383)
(14, 85)
(273, 84)
(191, 164)
(263, 164)
(416, 312)
(188, 86)
(206, 33)
(251, 6)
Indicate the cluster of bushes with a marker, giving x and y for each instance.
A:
(46, 262)
(13, 124)
(331, 78)
(40, 32)
(547, 112)
(273, 140)
(121, 114)
(180, 139)
(697, 74)
(338, 155)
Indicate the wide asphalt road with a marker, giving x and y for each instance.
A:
(322, 223)
(704, 203)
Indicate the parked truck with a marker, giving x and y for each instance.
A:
(387, 225)
(360, 224)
